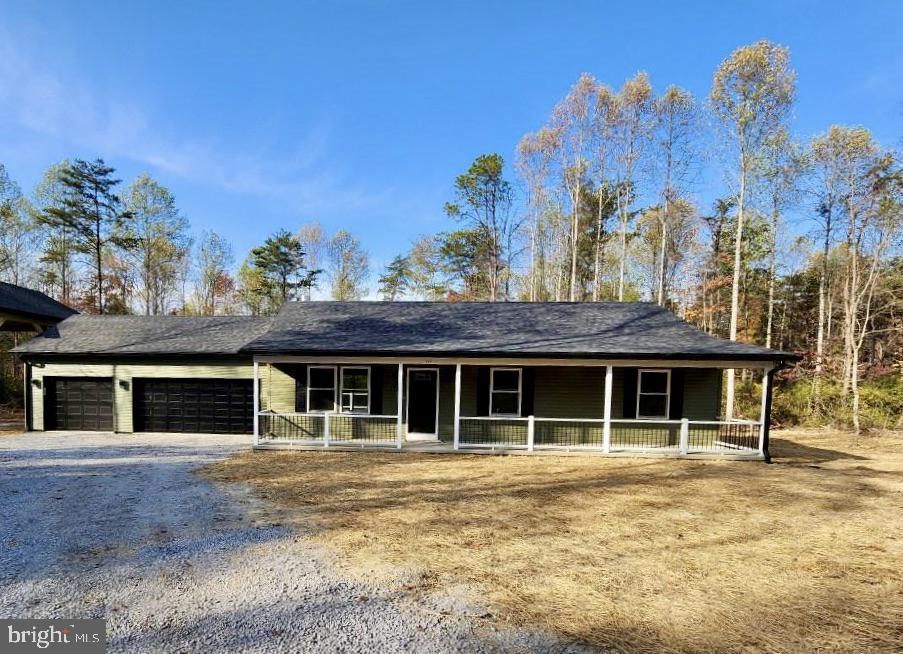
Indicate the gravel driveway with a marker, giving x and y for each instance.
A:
(119, 527)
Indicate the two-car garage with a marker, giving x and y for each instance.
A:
(210, 406)
(204, 406)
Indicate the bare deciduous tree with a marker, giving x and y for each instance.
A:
(752, 93)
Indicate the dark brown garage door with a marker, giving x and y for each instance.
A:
(206, 406)
(78, 403)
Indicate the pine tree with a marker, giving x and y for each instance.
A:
(92, 214)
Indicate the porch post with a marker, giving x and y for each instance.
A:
(457, 438)
(763, 416)
(606, 426)
(684, 445)
(398, 440)
(26, 388)
(256, 403)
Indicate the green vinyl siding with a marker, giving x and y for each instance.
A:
(702, 393)
(560, 391)
(277, 388)
(123, 373)
(569, 392)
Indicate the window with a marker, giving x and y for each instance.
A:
(355, 390)
(504, 391)
(653, 397)
(321, 388)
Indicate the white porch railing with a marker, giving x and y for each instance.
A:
(678, 437)
(325, 429)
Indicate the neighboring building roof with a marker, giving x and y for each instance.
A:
(519, 329)
(604, 330)
(145, 335)
(30, 305)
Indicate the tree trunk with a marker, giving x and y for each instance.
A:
(735, 288)
(99, 262)
(854, 385)
(661, 261)
(772, 265)
(822, 318)
(597, 258)
(622, 264)
(533, 261)
(574, 233)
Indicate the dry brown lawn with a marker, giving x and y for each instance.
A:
(637, 555)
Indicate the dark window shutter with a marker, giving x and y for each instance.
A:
(300, 374)
(376, 389)
(676, 409)
(528, 389)
(630, 380)
(482, 391)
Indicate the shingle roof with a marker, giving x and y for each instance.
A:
(589, 330)
(27, 303)
(506, 329)
(143, 335)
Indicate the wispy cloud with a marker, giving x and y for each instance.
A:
(37, 99)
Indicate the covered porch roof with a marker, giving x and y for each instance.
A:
(627, 331)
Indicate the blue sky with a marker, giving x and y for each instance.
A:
(360, 114)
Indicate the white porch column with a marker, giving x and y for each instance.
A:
(457, 438)
(606, 426)
(25, 398)
(256, 403)
(684, 445)
(762, 416)
(400, 405)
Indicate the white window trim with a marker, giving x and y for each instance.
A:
(341, 399)
(519, 391)
(335, 379)
(667, 393)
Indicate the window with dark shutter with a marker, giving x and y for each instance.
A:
(321, 388)
(653, 394)
(504, 391)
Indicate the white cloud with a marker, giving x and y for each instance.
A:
(66, 109)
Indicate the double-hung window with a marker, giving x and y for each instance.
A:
(355, 390)
(504, 391)
(321, 388)
(653, 397)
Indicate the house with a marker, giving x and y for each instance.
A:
(607, 377)
(26, 310)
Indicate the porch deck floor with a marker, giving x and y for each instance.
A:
(443, 447)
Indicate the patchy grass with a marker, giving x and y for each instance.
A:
(637, 555)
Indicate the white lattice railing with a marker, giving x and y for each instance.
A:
(618, 435)
(347, 429)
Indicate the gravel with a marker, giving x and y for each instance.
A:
(119, 527)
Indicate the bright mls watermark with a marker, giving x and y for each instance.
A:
(84, 636)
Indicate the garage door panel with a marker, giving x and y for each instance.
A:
(79, 403)
(194, 405)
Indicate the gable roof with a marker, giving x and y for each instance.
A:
(602, 330)
(29, 304)
(501, 329)
(145, 335)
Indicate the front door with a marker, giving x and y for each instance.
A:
(423, 403)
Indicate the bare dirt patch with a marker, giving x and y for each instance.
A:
(631, 554)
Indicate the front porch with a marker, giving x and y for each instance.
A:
(632, 408)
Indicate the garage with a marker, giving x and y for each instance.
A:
(206, 406)
(78, 403)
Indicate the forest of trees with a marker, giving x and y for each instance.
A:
(801, 251)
